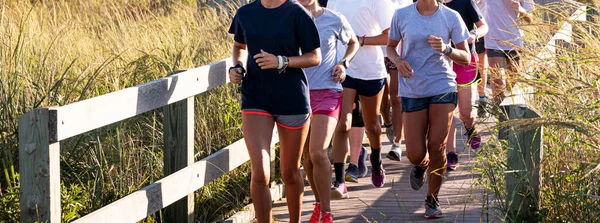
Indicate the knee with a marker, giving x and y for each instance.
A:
(465, 114)
(308, 164)
(260, 177)
(291, 176)
(319, 158)
(374, 129)
(343, 127)
(415, 158)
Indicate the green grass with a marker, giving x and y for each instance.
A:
(53, 53)
(568, 96)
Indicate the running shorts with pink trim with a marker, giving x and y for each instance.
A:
(466, 75)
(286, 121)
(326, 102)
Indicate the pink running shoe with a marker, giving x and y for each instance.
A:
(316, 215)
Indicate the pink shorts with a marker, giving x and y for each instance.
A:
(466, 75)
(326, 102)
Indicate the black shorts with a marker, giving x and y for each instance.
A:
(507, 54)
(480, 46)
(367, 88)
(357, 119)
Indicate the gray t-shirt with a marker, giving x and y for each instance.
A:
(503, 23)
(432, 70)
(332, 27)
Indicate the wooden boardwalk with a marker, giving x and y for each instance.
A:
(460, 199)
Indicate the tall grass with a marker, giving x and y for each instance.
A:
(54, 53)
(567, 93)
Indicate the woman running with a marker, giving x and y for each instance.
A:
(503, 37)
(482, 65)
(428, 86)
(366, 77)
(325, 86)
(466, 77)
(274, 90)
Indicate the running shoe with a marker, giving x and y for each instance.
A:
(389, 132)
(474, 138)
(432, 208)
(452, 158)
(339, 191)
(316, 215)
(352, 173)
(377, 175)
(417, 177)
(362, 163)
(327, 217)
(395, 153)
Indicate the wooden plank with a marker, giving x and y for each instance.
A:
(90, 114)
(179, 153)
(166, 191)
(39, 167)
(524, 154)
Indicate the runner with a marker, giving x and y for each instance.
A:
(482, 65)
(466, 77)
(366, 77)
(393, 120)
(325, 99)
(358, 153)
(427, 87)
(274, 90)
(504, 34)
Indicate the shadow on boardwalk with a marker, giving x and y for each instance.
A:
(460, 199)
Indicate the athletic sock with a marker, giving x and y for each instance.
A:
(387, 125)
(375, 156)
(482, 98)
(339, 172)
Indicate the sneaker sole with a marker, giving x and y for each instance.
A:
(433, 216)
(392, 157)
(348, 178)
(335, 195)
(451, 168)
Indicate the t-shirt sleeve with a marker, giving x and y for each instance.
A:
(528, 5)
(474, 12)
(306, 32)
(236, 29)
(345, 32)
(459, 32)
(384, 11)
(395, 33)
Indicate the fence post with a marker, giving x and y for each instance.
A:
(179, 153)
(39, 166)
(523, 178)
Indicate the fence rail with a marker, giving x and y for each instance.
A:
(42, 129)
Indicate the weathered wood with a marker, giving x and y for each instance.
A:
(179, 153)
(90, 114)
(39, 167)
(523, 178)
(168, 190)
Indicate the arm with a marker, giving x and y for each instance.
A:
(404, 69)
(339, 70)
(523, 14)
(235, 75)
(379, 40)
(461, 54)
(310, 59)
(482, 28)
(353, 46)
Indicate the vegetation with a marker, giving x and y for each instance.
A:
(567, 93)
(54, 53)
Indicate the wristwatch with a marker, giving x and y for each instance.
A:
(345, 63)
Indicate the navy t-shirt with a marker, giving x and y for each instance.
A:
(469, 11)
(286, 30)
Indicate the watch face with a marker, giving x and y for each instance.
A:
(346, 63)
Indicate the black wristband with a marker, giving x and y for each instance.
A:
(238, 66)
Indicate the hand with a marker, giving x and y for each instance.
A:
(472, 38)
(339, 73)
(515, 5)
(266, 60)
(404, 69)
(437, 43)
(235, 75)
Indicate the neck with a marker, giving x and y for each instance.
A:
(271, 3)
(427, 7)
(315, 9)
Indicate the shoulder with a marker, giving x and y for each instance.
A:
(334, 16)
(449, 12)
(298, 10)
(404, 10)
(248, 7)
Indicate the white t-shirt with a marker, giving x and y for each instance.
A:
(370, 18)
(397, 4)
(504, 24)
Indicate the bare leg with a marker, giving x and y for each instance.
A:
(440, 116)
(416, 150)
(322, 128)
(291, 144)
(396, 106)
(258, 130)
(340, 137)
(370, 111)
(357, 134)
(497, 78)
(451, 145)
(385, 104)
(482, 66)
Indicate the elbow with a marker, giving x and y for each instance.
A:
(315, 60)
(464, 61)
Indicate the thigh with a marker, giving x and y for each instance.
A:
(321, 131)
(440, 121)
(346, 111)
(258, 131)
(417, 122)
(370, 107)
(465, 98)
(291, 145)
